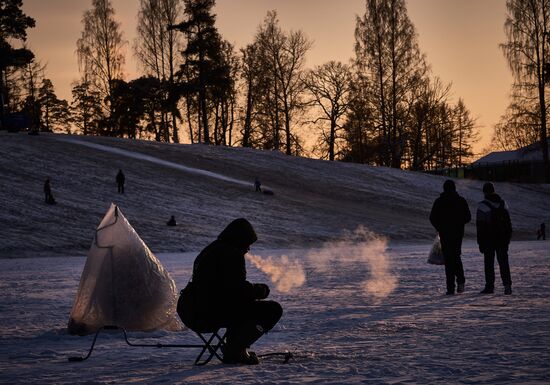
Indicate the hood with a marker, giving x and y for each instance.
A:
(239, 233)
(494, 200)
(448, 194)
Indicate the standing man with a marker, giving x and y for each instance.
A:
(450, 212)
(494, 231)
(120, 178)
(48, 197)
(541, 233)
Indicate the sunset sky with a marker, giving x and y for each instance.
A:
(460, 38)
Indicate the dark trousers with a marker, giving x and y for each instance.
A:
(121, 188)
(248, 326)
(453, 263)
(504, 267)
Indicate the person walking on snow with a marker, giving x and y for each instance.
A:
(120, 179)
(494, 231)
(450, 212)
(257, 185)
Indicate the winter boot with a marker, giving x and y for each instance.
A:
(487, 290)
(507, 290)
(239, 338)
(239, 356)
(460, 288)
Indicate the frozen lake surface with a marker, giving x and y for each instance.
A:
(338, 333)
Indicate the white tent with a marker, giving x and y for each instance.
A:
(123, 283)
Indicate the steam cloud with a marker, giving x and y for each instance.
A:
(286, 274)
(359, 247)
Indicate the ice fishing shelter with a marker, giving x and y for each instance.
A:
(123, 283)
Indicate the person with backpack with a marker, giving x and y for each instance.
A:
(494, 231)
(450, 212)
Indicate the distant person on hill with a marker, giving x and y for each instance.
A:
(494, 231)
(220, 296)
(48, 197)
(450, 212)
(172, 221)
(120, 179)
(541, 232)
(257, 185)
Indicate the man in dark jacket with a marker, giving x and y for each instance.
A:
(220, 296)
(494, 231)
(450, 212)
(48, 191)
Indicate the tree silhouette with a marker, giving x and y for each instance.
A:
(391, 66)
(13, 25)
(156, 48)
(100, 52)
(527, 27)
(86, 111)
(204, 71)
(330, 87)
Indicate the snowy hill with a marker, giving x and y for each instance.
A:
(314, 200)
(356, 309)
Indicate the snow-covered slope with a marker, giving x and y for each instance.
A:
(207, 186)
(356, 309)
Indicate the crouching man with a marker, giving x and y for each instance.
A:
(220, 296)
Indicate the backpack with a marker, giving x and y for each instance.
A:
(499, 222)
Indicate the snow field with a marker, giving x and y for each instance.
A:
(339, 333)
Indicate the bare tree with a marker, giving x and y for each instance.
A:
(100, 50)
(281, 59)
(330, 86)
(250, 73)
(425, 121)
(156, 48)
(527, 27)
(31, 76)
(390, 64)
(518, 127)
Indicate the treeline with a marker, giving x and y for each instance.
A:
(384, 107)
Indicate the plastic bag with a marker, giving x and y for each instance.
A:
(436, 254)
(123, 283)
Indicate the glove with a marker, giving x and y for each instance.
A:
(481, 249)
(261, 290)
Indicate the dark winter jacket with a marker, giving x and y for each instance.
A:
(120, 178)
(47, 187)
(450, 212)
(492, 235)
(219, 287)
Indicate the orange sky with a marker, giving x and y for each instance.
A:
(460, 38)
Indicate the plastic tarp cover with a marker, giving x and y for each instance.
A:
(123, 283)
